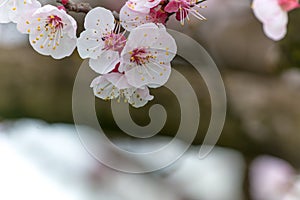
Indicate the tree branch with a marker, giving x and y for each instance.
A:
(76, 7)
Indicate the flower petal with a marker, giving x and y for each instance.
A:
(20, 8)
(152, 74)
(104, 89)
(100, 19)
(119, 80)
(275, 31)
(172, 7)
(151, 36)
(265, 10)
(45, 47)
(140, 97)
(105, 62)
(90, 44)
(130, 19)
(4, 18)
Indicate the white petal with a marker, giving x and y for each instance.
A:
(45, 47)
(4, 18)
(152, 4)
(276, 28)
(274, 31)
(152, 74)
(265, 10)
(106, 62)
(70, 24)
(119, 80)
(151, 36)
(130, 19)
(138, 6)
(140, 98)
(90, 44)
(65, 49)
(100, 19)
(3, 2)
(104, 89)
(143, 35)
(22, 8)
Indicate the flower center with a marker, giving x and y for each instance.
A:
(140, 56)
(115, 42)
(54, 22)
(51, 31)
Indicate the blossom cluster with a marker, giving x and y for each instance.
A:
(128, 64)
(127, 67)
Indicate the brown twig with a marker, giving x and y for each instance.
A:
(76, 7)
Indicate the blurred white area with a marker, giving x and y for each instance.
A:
(10, 37)
(220, 176)
(42, 161)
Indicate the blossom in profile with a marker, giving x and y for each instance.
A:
(13, 10)
(183, 8)
(147, 55)
(115, 86)
(274, 16)
(131, 19)
(52, 32)
(142, 6)
(102, 41)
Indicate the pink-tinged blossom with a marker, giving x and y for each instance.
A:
(102, 41)
(271, 179)
(13, 10)
(115, 86)
(130, 19)
(274, 16)
(142, 6)
(146, 57)
(52, 32)
(183, 8)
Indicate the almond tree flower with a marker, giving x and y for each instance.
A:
(142, 6)
(274, 16)
(115, 86)
(270, 178)
(13, 10)
(102, 41)
(131, 19)
(183, 8)
(146, 57)
(52, 32)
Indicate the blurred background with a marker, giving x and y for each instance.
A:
(257, 155)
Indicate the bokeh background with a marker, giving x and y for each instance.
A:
(40, 151)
